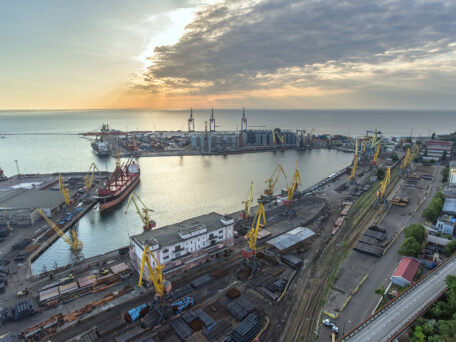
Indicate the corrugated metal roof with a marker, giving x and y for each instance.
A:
(407, 269)
(291, 238)
(450, 206)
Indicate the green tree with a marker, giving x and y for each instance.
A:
(444, 156)
(380, 291)
(416, 231)
(425, 151)
(380, 173)
(394, 157)
(418, 335)
(445, 173)
(410, 247)
(433, 136)
(450, 248)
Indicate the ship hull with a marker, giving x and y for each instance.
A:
(105, 205)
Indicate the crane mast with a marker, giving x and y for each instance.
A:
(273, 180)
(191, 122)
(74, 243)
(252, 234)
(406, 162)
(142, 212)
(377, 152)
(155, 273)
(382, 191)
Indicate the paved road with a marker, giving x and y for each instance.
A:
(398, 314)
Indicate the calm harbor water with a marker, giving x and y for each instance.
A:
(181, 187)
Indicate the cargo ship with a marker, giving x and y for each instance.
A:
(121, 183)
(100, 146)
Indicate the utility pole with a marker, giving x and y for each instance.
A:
(17, 167)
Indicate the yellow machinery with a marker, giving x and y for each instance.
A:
(377, 152)
(415, 151)
(155, 273)
(294, 184)
(89, 177)
(248, 203)
(277, 138)
(142, 212)
(351, 178)
(64, 190)
(74, 243)
(383, 185)
(273, 180)
(406, 162)
(252, 235)
(6, 219)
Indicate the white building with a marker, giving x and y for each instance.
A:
(184, 245)
(446, 223)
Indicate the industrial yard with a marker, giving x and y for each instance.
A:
(306, 253)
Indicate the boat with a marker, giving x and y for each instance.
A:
(121, 183)
(100, 146)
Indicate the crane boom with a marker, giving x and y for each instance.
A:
(142, 212)
(156, 274)
(64, 190)
(384, 184)
(75, 244)
(252, 235)
(406, 161)
(376, 154)
(248, 203)
(89, 177)
(273, 180)
(296, 181)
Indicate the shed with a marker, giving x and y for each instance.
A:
(450, 206)
(405, 271)
(291, 238)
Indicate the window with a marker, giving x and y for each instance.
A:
(166, 250)
(178, 248)
(221, 231)
(165, 257)
(211, 236)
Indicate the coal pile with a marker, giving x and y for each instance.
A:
(23, 309)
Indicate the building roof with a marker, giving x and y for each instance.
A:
(30, 199)
(447, 219)
(450, 206)
(169, 235)
(291, 238)
(407, 269)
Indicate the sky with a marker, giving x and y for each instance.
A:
(322, 54)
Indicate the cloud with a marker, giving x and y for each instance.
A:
(324, 47)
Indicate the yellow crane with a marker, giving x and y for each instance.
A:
(406, 162)
(351, 178)
(143, 212)
(277, 136)
(89, 177)
(294, 184)
(248, 203)
(155, 273)
(74, 243)
(377, 152)
(273, 180)
(383, 185)
(252, 234)
(6, 218)
(63, 189)
(415, 151)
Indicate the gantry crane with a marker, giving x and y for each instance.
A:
(89, 177)
(277, 138)
(405, 163)
(250, 253)
(381, 198)
(142, 212)
(63, 189)
(74, 243)
(293, 185)
(155, 273)
(351, 178)
(273, 180)
(377, 152)
(191, 122)
(248, 203)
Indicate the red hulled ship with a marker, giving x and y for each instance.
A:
(123, 180)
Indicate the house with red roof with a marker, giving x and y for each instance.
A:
(405, 271)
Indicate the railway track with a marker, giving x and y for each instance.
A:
(331, 258)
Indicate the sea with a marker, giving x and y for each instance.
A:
(178, 188)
